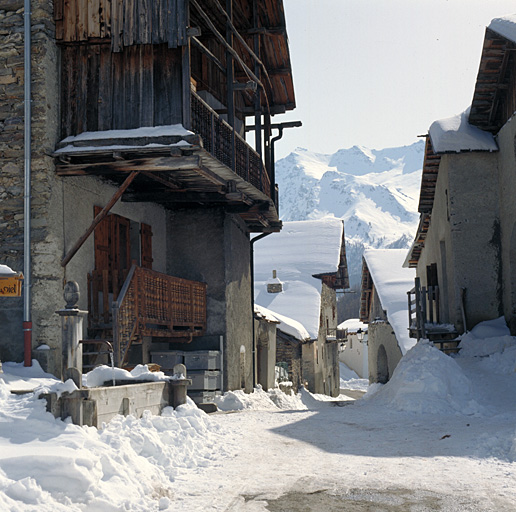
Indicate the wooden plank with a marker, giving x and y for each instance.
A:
(172, 23)
(117, 91)
(128, 22)
(82, 20)
(147, 86)
(145, 20)
(155, 26)
(182, 22)
(93, 26)
(106, 91)
(117, 25)
(82, 90)
(92, 98)
(69, 20)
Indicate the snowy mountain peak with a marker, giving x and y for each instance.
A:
(374, 191)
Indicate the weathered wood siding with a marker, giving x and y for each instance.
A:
(124, 22)
(103, 90)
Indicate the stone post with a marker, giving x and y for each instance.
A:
(71, 328)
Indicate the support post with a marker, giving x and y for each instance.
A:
(71, 328)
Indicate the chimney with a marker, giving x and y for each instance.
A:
(274, 285)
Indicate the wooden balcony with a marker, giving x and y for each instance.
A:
(144, 303)
(182, 170)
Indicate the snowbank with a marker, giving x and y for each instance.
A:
(427, 381)
(259, 400)
(131, 464)
(101, 374)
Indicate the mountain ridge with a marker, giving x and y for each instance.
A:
(374, 191)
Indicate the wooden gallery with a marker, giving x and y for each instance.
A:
(143, 188)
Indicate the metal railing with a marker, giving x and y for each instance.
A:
(217, 136)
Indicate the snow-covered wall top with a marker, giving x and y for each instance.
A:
(353, 325)
(505, 26)
(392, 282)
(301, 249)
(455, 134)
(287, 325)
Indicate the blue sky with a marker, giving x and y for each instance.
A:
(377, 73)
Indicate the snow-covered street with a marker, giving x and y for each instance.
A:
(441, 435)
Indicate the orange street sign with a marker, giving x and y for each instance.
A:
(11, 286)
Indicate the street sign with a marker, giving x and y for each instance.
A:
(11, 286)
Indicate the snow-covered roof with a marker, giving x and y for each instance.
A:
(144, 131)
(301, 249)
(392, 282)
(285, 324)
(505, 26)
(353, 325)
(455, 134)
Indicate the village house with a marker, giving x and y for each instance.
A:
(140, 185)
(353, 350)
(280, 339)
(464, 251)
(383, 306)
(297, 274)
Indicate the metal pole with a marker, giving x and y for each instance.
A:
(27, 322)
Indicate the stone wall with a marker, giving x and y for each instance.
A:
(507, 187)
(45, 248)
(464, 238)
(208, 245)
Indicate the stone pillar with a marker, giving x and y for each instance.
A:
(71, 328)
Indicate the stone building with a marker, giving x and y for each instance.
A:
(465, 246)
(143, 188)
(309, 258)
(383, 306)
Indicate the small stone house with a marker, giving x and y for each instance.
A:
(297, 274)
(464, 251)
(353, 351)
(142, 186)
(287, 336)
(383, 306)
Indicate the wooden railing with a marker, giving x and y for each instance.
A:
(103, 288)
(423, 308)
(148, 303)
(217, 136)
(156, 305)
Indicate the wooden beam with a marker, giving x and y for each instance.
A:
(158, 164)
(116, 196)
(209, 54)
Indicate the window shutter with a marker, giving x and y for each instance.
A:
(102, 236)
(146, 246)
